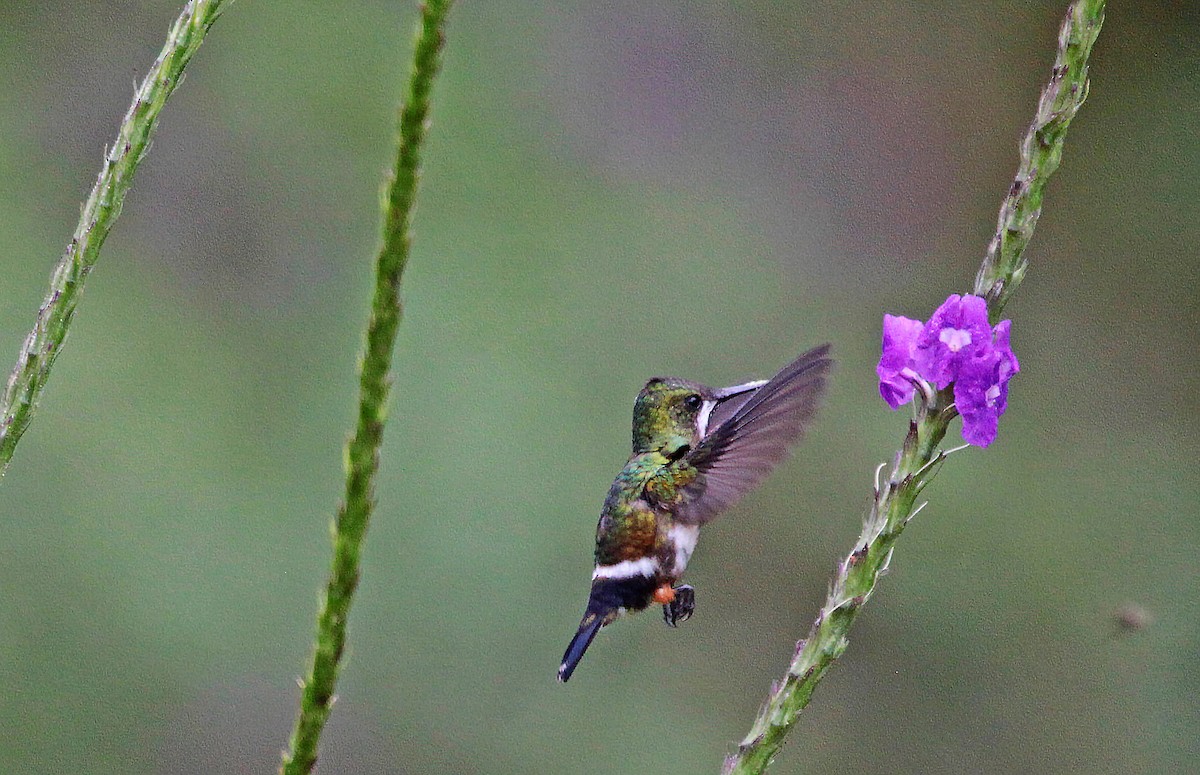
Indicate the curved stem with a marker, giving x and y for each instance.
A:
(918, 460)
(99, 214)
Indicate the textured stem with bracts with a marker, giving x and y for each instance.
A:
(362, 450)
(894, 505)
(1041, 151)
(96, 219)
(895, 502)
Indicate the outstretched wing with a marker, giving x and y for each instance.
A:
(747, 442)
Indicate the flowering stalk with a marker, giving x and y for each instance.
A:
(99, 214)
(1041, 151)
(362, 450)
(894, 505)
(895, 502)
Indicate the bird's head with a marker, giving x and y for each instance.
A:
(672, 414)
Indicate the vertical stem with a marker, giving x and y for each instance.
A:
(362, 450)
(99, 214)
(895, 501)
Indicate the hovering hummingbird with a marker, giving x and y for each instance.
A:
(696, 451)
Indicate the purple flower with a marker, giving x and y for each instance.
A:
(981, 389)
(895, 367)
(956, 346)
(980, 398)
(1008, 359)
(957, 332)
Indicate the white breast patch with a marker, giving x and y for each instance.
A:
(684, 538)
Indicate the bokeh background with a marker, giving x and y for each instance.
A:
(612, 191)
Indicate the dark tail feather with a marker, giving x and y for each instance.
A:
(588, 628)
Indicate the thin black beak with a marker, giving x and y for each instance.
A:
(724, 394)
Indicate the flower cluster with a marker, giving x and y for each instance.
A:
(956, 347)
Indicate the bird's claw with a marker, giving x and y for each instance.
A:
(681, 608)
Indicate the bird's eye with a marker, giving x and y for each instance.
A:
(692, 402)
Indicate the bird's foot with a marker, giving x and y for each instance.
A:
(680, 609)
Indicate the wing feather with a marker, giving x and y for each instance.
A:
(743, 446)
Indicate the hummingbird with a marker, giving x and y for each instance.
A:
(696, 451)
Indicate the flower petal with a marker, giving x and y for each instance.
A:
(957, 332)
(978, 396)
(899, 339)
(1008, 365)
(979, 429)
(896, 393)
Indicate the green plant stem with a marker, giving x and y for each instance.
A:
(893, 506)
(98, 215)
(362, 450)
(895, 502)
(1041, 151)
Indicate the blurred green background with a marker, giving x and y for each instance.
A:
(611, 191)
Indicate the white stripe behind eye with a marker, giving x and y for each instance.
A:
(702, 419)
(644, 566)
(706, 410)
